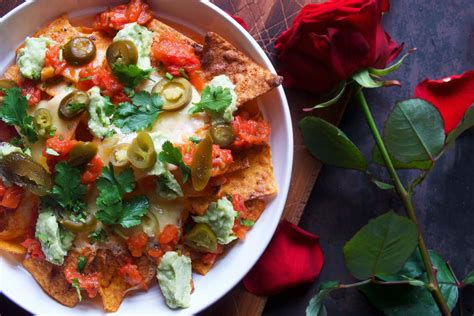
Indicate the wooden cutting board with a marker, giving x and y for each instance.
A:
(266, 19)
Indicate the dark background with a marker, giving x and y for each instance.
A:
(343, 201)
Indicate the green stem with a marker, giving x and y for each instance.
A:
(407, 203)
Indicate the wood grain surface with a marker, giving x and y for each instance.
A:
(266, 20)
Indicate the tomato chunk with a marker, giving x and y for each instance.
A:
(59, 145)
(136, 243)
(103, 78)
(249, 132)
(12, 197)
(168, 238)
(129, 272)
(113, 19)
(221, 158)
(30, 91)
(52, 58)
(175, 54)
(33, 248)
(92, 171)
(88, 282)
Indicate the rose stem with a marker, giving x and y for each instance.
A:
(407, 203)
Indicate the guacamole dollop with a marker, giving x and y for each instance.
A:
(55, 241)
(174, 277)
(225, 82)
(220, 216)
(142, 38)
(31, 57)
(100, 113)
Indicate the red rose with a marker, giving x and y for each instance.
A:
(452, 96)
(293, 257)
(329, 42)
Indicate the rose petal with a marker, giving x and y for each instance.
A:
(293, 257)
(240, 21)
(330, 41)
(452, 96)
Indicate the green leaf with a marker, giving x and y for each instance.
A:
(214, 101)
(339, 93)
(75, 284)
(414, 131)
(81, 263)
(330, 145)
(133, 210)
(13, 111)
(469, 279)
(381, 247)
(466, 123)
(415, 300)
(130, 75)
(382, 185)
(246, 222)
(98, 236)
(364, 79)
(421, 165)
(68, 191)
(140, 114)
(386, 71)
(172, 155)
(315, 306)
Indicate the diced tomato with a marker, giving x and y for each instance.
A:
(59, 145)
(92, 171)
(52, 58)
(239, 230)
(197, 80)
(156, 254)
(103, 78)
(129, 272)
(249, 132)
(168, 238)
(33, 248)
(30, 91)
(238, 203)
(175, 54)
(113, 19)
(136, 243)
(210, 258)
(88, 282)
(12, 197)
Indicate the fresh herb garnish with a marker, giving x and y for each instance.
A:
(169, 76)
(172, 155)
(129, 92)
(183, 73)
(214, 101)
(86, 78)
(130, 75)
(112, 209)
(246, 222)
(75, 284)
(195, 140)
(98, 236)
(140, 114)
(81, 263)
(13, 112)
(68, 191)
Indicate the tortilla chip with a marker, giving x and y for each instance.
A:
(198, 206)
(257, 180)
(200, 267)
(219, 57)
(147, 269)
(113, 294)
(16, 223)
(255, 208)
(161, 29)
(51, 279)
(13, 73)
(13, 248)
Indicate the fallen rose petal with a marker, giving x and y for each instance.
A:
(330, 41)
(293, 257)
(452, 96)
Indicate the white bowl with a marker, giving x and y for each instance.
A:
(199, 16)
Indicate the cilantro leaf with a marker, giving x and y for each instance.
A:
(246, 222)
(75, 284)
(68, 191)
(98, 236)
(134, 210)
(140, 114)
(111, 209)
(130, 75)
(13, 112)
(214, 101)
(172, 155)
(81, 263)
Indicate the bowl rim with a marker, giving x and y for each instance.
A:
(283, 188)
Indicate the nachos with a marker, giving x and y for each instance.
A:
(130, 156)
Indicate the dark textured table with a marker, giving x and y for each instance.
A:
(343, 201)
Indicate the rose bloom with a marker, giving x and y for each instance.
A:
(329, 42)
